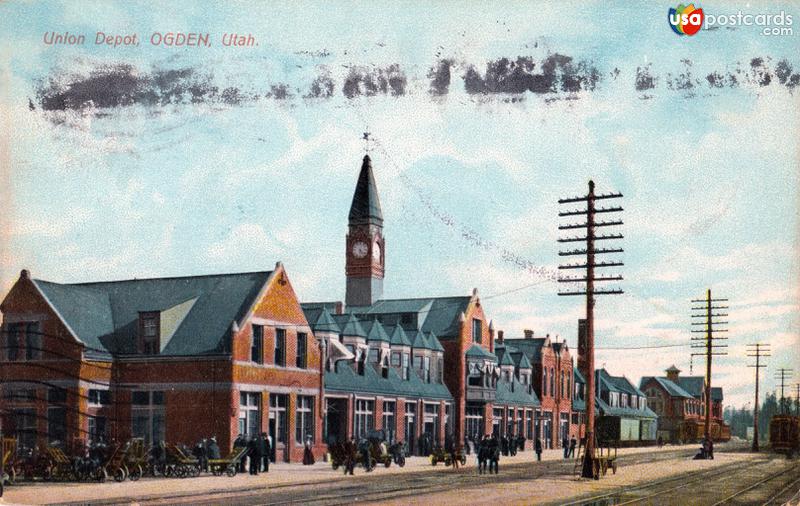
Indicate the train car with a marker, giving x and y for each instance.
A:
(784, 434)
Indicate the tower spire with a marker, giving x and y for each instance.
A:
(366, 207)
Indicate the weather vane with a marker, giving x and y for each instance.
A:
(366, 138)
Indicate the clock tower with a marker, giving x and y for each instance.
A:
(365, 244)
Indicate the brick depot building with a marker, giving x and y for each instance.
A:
(175, 359)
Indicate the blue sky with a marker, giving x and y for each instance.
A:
(709, 174)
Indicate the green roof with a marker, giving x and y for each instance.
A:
(399, 337)
(506, 359)
(366, 207)
(693, 384)
(325, 323)
(350, 325)
(376, 333)
(476, 351)
(517, 394)
(345, 379)
(716, 393)
(439, 315)
(434, 342)
(671, 388)
(420, 342)
(105, 315)
(524, 363)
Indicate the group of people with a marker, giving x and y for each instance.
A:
(205, 450)
(706, 449)
(488, 452)
(259, 452)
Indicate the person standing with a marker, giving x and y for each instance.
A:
(240, 442)
(263, 444)
(538, 448)
(572, 444)
(483, 454)
(349, 456)
(308, 455)
(254, 452)
(565, 445)
(494, 455)
(363, 447)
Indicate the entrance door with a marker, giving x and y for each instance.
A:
(336, 421)
(564, 426)
(548, 430)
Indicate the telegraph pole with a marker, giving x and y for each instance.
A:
(782, 374)
(797, 399)
(706, 312)
(757, 350)
(588, 252)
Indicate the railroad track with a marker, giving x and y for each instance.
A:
(722, 475)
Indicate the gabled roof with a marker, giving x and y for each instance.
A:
(523, 362)
(476, 351)
(439, 315)
(399, 337)
(669, 386)
(716, 393)
(105, 315)
(324, 322)
(377, 333)
(434, 342)
(506, 359)
(692, 384)
(366, 207)
(420, 342)
(530, 347)
(350, 325)
(604, 408)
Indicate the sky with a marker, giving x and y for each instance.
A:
(149, 160)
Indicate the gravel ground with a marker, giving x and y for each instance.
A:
(289, 476)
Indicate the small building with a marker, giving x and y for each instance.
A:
(679, 402)
(622, 416)
(516, 406)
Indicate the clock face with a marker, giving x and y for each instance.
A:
(376, 252)
(360, 249)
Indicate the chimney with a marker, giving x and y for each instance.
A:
(25, 274)
(528, 334)
(338, 308)
(499, 336)
(672, 373)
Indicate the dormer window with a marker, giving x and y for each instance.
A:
(477, 330)
(149, 337)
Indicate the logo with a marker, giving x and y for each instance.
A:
(686, 19)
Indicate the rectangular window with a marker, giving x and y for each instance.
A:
(406, 366)
(426, 369)
(304, 419)
(302, 359)
(19, 395)
(280, 347)
(396, 359)
(148, 416)
(57, 424)
(257, 345)
(497, 421)
(477, 330)
(25, 426)
(410, 428)
(440, 370)
(33, 341)
(13, 335)
(99, 397)
(97, 427)
(473, 422)
(529, 424)
(149, 332)
(373, 355)
(277, 407)
(56, 395)
(250, 413)
(364, 421)
(389, 421)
